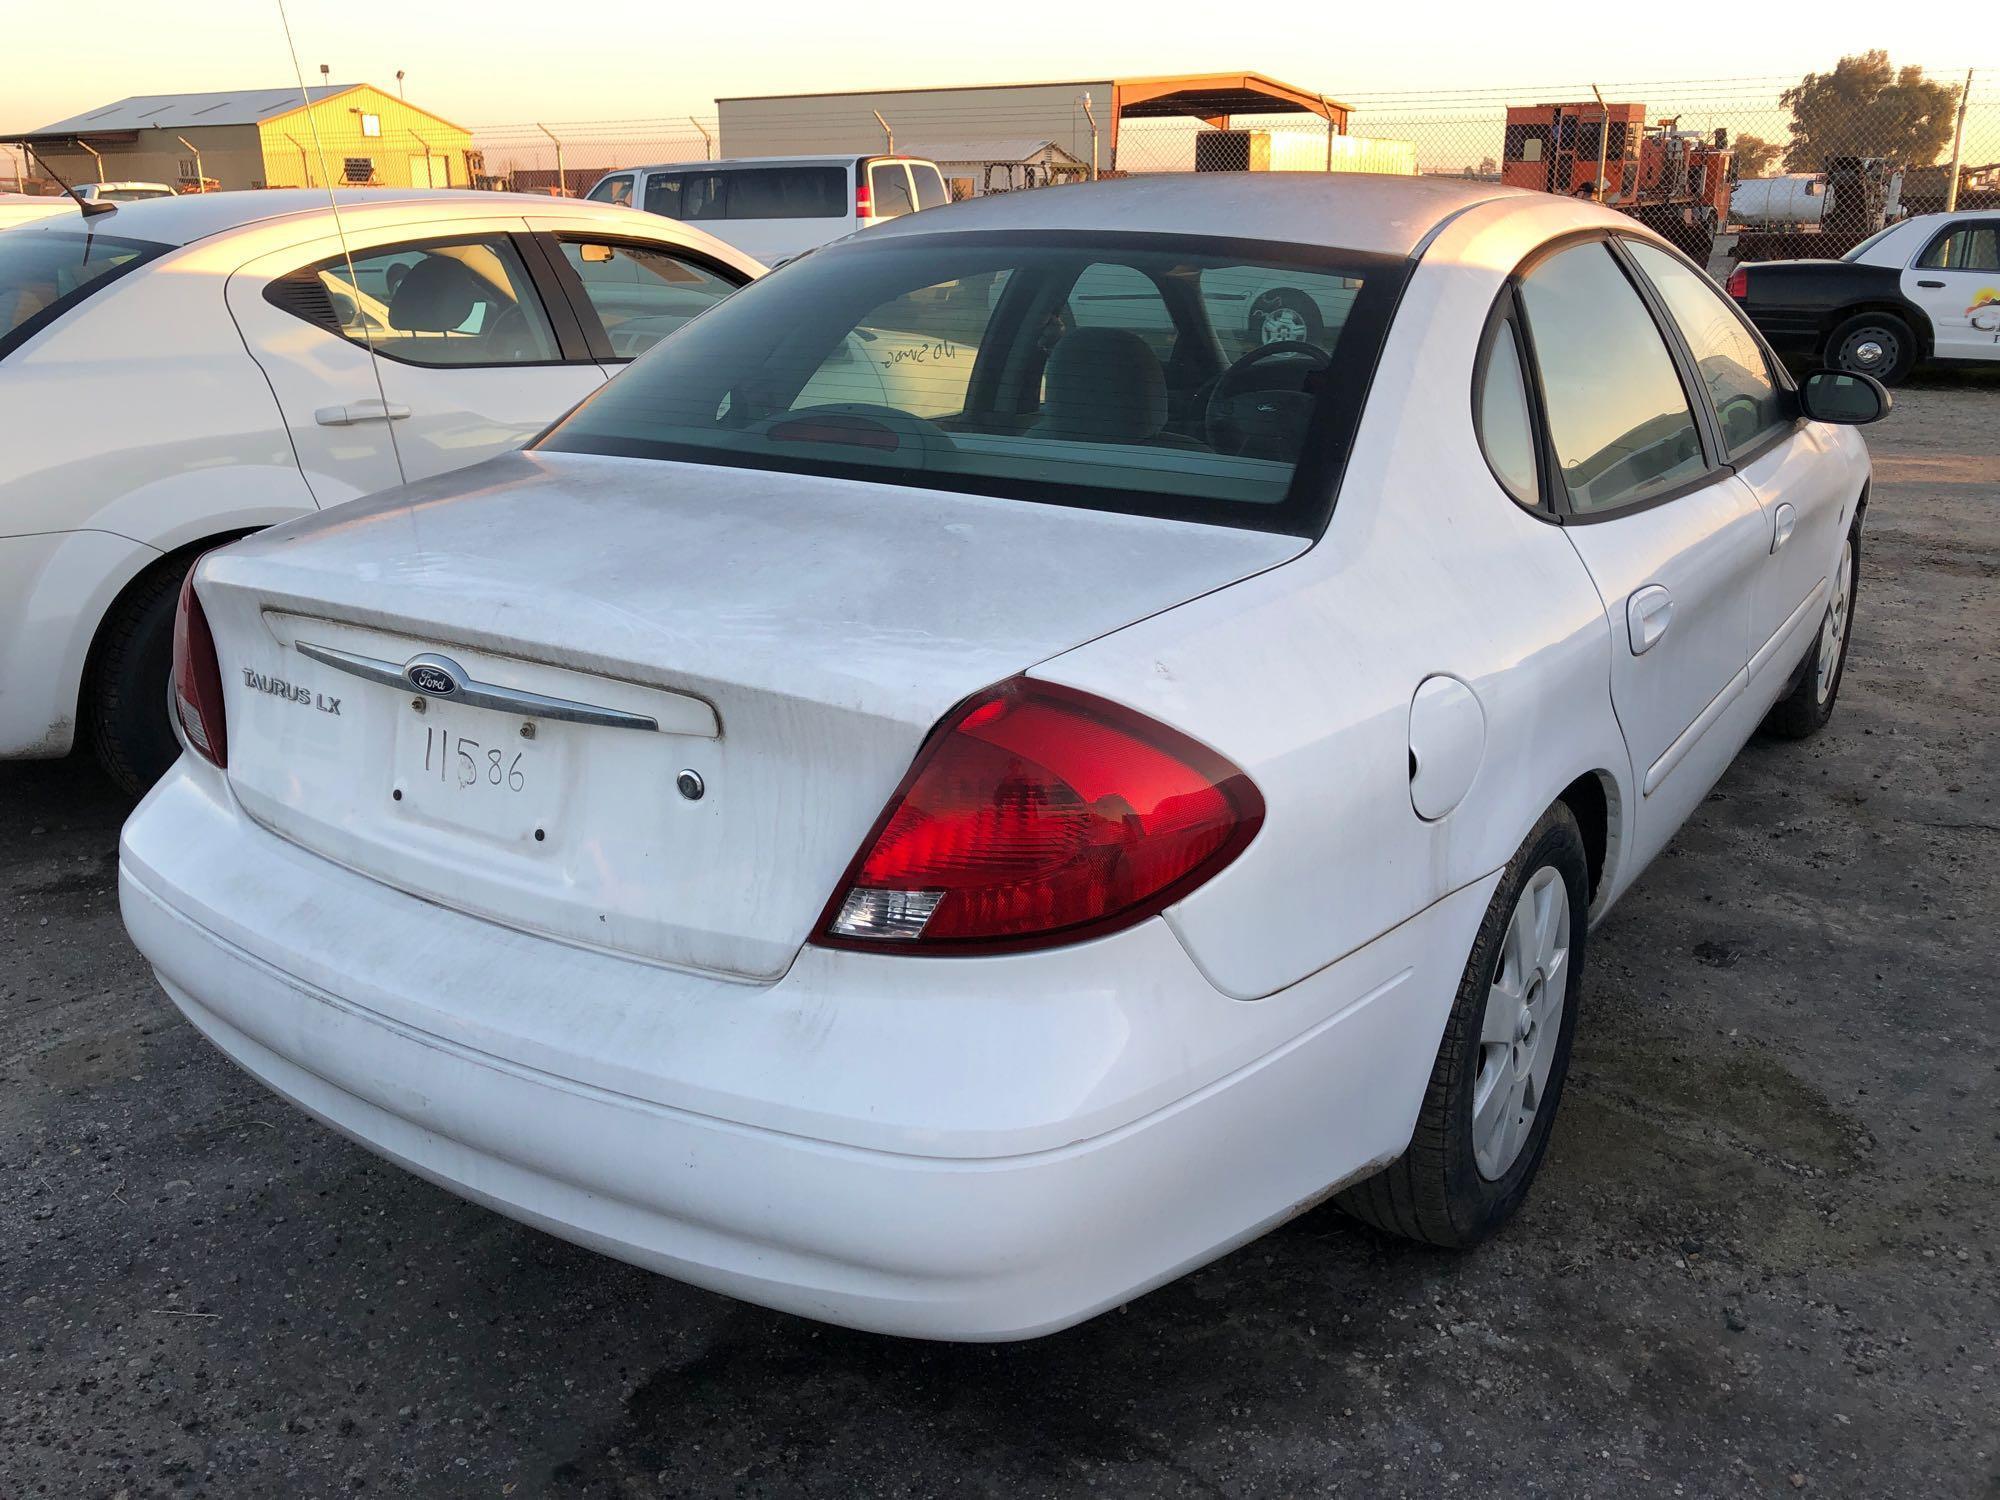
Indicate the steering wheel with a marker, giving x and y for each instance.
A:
(1243, 414)
(883, 430)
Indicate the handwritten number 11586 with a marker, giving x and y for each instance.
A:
(466, 763)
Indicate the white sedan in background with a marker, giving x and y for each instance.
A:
(180, 371)
(947, 874)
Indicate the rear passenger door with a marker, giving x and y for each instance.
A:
(474, 360)
(1672, 539)
(411, 356)
(1781, 458)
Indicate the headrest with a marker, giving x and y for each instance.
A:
(1104, 385)
(436, 296)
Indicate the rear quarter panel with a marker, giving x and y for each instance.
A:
(1304, 675)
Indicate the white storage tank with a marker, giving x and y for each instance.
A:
(1796, 201)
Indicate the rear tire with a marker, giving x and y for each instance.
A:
(1803, 712)
(1874, 343)
(1497, 1083)
(129, 681)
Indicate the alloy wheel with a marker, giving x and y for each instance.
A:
(1833, 630)
(1523, 1020)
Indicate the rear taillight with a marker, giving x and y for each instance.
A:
(1738, 285)
(1038, 815)
(864, 204)
(198, 679)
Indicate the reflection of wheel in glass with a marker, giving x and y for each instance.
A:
(1284, 315)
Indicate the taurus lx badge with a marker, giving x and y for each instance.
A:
(291, 692)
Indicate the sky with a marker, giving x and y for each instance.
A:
(515, 61)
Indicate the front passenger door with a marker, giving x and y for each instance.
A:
(1672, 541)
(1782, 459)
(1956, 281)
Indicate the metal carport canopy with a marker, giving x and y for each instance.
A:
(1214, 97)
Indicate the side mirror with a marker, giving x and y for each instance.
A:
(1845, 397)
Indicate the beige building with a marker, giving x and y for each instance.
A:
(1057, 114)
(352, 134)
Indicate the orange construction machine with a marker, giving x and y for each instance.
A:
(1672, 180)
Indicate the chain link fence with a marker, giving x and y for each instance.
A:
(1750, 168)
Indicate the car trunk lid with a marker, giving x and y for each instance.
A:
(670, 700)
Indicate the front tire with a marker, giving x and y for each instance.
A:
(128, 684)
(1874, 343)
(1498, 1079)
(1803, 712)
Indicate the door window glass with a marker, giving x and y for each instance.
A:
(641, 293)
(749, 193)
(1748, 403)
(1620, 422)
(889, 189)
(1506, 431)
(465, 303)
(1971, 247)
(930, 186)
(616, 189)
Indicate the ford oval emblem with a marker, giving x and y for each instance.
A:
(428, 677)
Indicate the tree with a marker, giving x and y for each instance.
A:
(1868, 107)
(1754, 155)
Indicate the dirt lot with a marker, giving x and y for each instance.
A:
(1761, 1259)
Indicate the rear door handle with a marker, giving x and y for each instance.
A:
(359, 411)
(1936, 286)
(1647, 614)
(1785, 520)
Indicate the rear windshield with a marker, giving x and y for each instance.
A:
(1200, 379)
(45, 272)
(750, 193)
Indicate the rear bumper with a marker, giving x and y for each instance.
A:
(1024, 1195)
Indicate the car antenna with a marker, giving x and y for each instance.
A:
(90, 210)
(340, 232)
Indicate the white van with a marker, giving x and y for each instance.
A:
(775, 207)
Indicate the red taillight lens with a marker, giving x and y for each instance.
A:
(864, 204)
(198, 679)
(1039, 815)
(1738, 285)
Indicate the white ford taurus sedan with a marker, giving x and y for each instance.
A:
(175, 373)
(947, 874)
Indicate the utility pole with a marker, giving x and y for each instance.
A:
(1603, 137)
(200, 178)
(562, 182)
(1958, 146)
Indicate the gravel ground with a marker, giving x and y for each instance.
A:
(1760, 1259)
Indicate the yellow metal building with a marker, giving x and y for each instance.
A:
(354, 134)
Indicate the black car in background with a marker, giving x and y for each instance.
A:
(1925, 288)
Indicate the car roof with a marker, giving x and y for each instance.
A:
(822, 158)
(185, 218)
(1364, 211)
